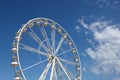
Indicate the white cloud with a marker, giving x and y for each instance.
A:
(117, 78)
(106, 54)
(104, 3)
(82, 22)
(84, 69)
(77, 28)
(89, 41)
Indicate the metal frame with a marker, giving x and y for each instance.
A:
(50, 48)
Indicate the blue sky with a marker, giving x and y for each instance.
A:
(92, 24)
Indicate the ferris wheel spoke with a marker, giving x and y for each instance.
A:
(69, 73)
(60, 74)
(37, 39)
(59, 45)
(53, 69)
(55, 74)
(28, 48)
(66, 73)
(34, 65)
(53, 39)
(44, 34)
(44, 73)
(68, 62)
(64, 52)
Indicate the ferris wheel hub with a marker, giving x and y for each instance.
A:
(50, 58)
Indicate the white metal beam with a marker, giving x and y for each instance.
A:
(53, 39)
(44, 33)
(34, 65)
(63, 69)
(68, 62)
(64, 52)
(37, 39)
(44, 73)
(59, 45)
(29, 48)
(52, 71)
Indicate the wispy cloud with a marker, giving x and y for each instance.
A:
(106, 54)
(77, 28)
(104, 3)
(117, 78)
(82, 22)
(84, 69)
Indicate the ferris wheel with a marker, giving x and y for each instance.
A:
(43, 50)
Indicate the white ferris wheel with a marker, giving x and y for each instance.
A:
(43, 50)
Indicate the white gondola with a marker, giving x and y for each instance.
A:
(78, 78)
(17, 38)
(17, 78)
(45, 23)
(65, 36)
(24, 30)
(77, 60)
(53, 25)
(31, 25)
(73, 51)
(38, 22)
(59, 30)
(78, 68)
(14, 63)
(69, 43)
(14, 50)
